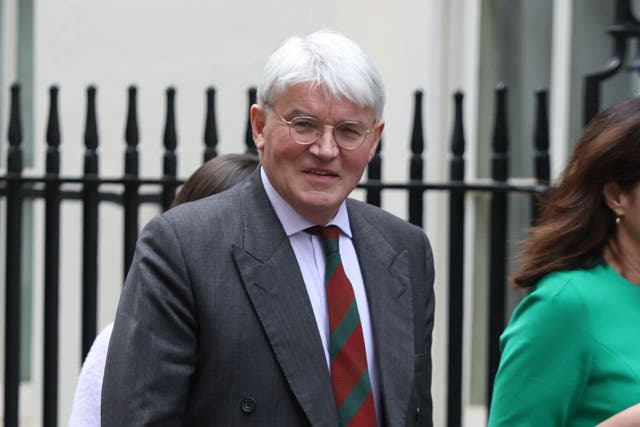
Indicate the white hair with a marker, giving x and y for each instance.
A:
(325, 59)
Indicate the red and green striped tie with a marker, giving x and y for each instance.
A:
(349, 373)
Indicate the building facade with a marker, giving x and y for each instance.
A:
(436, 46)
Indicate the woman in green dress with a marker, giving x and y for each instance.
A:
(571, 351)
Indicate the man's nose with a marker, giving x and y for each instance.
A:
(325, 146)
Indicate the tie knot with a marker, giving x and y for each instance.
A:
(328, 232)
(330, 237)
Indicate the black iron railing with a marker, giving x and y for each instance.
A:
(131, 193)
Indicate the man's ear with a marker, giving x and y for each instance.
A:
(377, 134)
(614, 197)
(258, 120)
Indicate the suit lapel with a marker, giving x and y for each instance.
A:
(389, 295)
(275, 286)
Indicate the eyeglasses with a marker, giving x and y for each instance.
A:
(307, 130)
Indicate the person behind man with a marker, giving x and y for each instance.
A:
(570, 354)
(214, 176)
(282, 302)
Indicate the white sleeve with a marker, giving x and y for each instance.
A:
(85, 411)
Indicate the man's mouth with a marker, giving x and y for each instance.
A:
(321, 172)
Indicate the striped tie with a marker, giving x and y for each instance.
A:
(349, 373)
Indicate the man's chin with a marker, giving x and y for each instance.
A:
(319, 209)
(322, 199)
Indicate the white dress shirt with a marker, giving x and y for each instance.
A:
(311, 260)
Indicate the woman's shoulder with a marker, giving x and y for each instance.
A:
(563, 294)
(583, 281)
(570, 282)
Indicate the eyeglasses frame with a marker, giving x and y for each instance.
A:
(289, 124)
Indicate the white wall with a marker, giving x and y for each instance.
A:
(191, 44)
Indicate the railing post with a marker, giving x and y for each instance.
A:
(416, 169)
(90, 226)
(170, 161)
(456, 269)
(13, 265)
(131, 186)
(374, 173)
(51, 266)
(248, 135)
(498, 237)
(210, 128)
(541, 146)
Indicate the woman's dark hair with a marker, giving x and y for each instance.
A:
(576, 223)
(216, 175)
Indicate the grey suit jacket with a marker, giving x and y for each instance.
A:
(214, 325)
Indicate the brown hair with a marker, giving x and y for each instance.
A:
(216, 175)
(576, 223)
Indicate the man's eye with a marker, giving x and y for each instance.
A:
(349, 130)
(305, 125)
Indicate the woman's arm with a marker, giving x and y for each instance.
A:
(544, 363)
(630, 417)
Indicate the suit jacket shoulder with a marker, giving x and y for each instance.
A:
(396, 231)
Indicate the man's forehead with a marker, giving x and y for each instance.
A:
(316, 92)
(308, 99)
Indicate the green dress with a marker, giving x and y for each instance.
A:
(571, 352)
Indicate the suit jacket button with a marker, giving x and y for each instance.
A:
(248, 405)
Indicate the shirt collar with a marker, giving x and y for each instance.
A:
(292, 221)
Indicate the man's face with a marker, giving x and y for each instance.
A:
(314, 179)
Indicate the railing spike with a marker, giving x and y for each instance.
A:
(248, 136)
(210, 127)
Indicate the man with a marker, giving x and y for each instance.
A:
(225, 317)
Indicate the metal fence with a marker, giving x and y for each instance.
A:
(55, 188)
